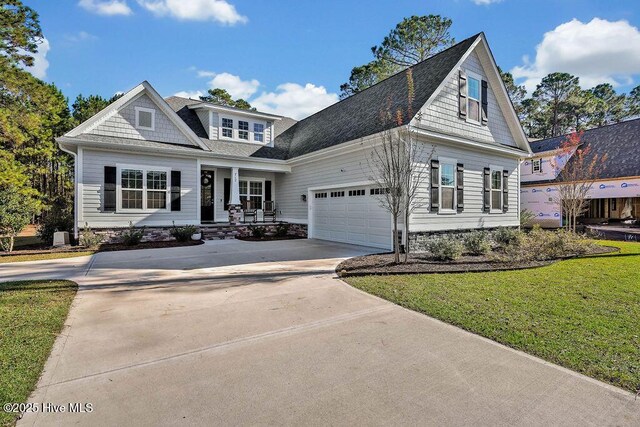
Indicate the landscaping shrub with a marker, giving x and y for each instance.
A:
(183, 234)
(15, 212)
(282, 229)
(89, 238)
(505, 236)
(133, 235)
(544, 245)
(445, 248)
(58, 218)
(257, 231)
(477, 243)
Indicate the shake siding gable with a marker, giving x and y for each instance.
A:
(442, 115)
(123, 124)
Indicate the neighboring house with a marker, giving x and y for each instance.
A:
(614, 196)
(154, 161)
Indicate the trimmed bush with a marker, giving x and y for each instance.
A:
(544, 245)
(505, 236)
(89, 239)
(133, 235)
(183, 234)
(445, 248)
(257, 231)
(282, 229)
(477, 243)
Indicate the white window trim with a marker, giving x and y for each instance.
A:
(153, 118)
(144, 169)
(533, 167)
(249, 180)
(471, 74)
(235, 131)
(454, 162)
(494, 168)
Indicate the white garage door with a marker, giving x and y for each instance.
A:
(350, 215)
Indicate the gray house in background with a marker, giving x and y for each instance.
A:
(155, 161)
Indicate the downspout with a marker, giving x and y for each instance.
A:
(75, 190)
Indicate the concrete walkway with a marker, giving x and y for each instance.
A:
(234, 333)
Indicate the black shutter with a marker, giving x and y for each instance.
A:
(109, 191)
(267, 191)
(485, 103)
(460, 187)
(175, 191)
(462, 95)
(435, 185)
(486, 199)
(227, 193)
(505, 190)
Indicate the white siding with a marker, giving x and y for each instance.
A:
(123, 125)
(442, 114)
(93, 163)
(472, 216)
(350, 167)
(203, 115)
(215, 121)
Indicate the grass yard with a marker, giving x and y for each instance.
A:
(43, 256)
(583, 313)
(32, 314)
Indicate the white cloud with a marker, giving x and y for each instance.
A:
(196, 10)
(599, 51)
(40, 62)
(294, 100)
(79, 37)
(191, 94)
(106, 7)
(485, 2)
(236, 87)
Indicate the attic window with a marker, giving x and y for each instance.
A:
(227, 128)
(145, 118)
(473, 98)
(243, 129)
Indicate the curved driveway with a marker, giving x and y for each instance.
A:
(234, 332)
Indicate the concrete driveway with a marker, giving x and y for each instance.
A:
(233, 333)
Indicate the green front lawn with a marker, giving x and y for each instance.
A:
(583, 314)
(43, 256)
(32, 314)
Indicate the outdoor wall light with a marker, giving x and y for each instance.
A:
(303, 197)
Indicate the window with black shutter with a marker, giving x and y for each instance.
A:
(176, 202)
(460, 187)
(462, 94)
(505, 190)
(109, 190)
(486, 193)
(485, 102)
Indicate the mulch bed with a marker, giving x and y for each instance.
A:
(268, 238)
(102, 248)
(421, 264)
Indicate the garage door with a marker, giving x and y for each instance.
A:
(350, 215)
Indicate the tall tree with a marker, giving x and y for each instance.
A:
(222, 97)
(411, 41)
(553, 94)
(20, 32)
(85, 107)
(632, 104)
(516, 92)
(611, 108)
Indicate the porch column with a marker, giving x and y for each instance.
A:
(235, 210)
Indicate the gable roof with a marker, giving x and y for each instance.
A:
(360, 114)
(620, 142)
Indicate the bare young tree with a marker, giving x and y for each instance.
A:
(577, 170)
(399, 166)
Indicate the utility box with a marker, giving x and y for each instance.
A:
(60, 238)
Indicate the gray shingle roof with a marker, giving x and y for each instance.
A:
(360, 115)
(620, 142)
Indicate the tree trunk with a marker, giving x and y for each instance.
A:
(406, 236)
(396, 248)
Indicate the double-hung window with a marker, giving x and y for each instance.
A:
(143, 189)
(252, 190)
(496, 190)
(473, 98)
(537, 165)
(243, 130)
(227, 128)
(258, 132)
(447, 185)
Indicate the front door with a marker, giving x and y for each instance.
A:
(206, 196)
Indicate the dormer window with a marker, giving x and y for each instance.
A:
(243, 130)
(145, 118)
(227, 128)
(258, 132)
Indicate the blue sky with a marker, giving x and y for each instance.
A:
(290, 57)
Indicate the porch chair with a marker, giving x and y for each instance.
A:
(269, 211)
(249, 210)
